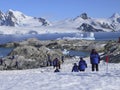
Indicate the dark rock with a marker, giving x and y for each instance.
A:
(88, 28)
(44, 22)
(112, 49)
(2, 18)
(84, 16)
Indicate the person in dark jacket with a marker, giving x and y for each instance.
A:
(94, 59)
(62, 59)
(49, 62)
(16, 64)
(56, 63)
(1, 61)
(75, 68)
(82, 64)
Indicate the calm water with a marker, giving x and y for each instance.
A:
(5, 51)
(78, 53)
(11, 38)
(98, 36)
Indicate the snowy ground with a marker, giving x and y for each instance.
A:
(46, 79)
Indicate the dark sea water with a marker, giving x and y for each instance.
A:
(5, 51)
(78, 53)
(97, 35)
(12, 38)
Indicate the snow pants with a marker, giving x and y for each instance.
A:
(95, 66)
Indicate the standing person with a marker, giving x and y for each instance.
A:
(62, 59)
(75, 68)
(56, 63)
(16, 64)
(1, 61)
(82, 64)
(49, 62)
(94, 59)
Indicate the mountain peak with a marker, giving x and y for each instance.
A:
(84, 16)
(10, 10)
(115, 15)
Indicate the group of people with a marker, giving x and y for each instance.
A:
(82, 65)
(56, 63)
(53, 63)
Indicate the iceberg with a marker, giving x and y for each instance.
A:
(90, 36)
(86, 36)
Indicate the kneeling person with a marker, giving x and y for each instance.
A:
(75, 68)
(82, 64)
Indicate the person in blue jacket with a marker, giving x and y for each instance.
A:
(94, 59)
(56, 63)
(75, 68)
(82, 64)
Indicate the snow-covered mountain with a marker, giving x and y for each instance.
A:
(16, 18)
(88, 24)
(15, 22)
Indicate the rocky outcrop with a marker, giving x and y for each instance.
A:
(88, 28)
(112, 49)
(33, 53)
(82, 45)
(28, 57)
(2, 18)
(32, 41)
(84, 16)
(44, 21)
(78, 45)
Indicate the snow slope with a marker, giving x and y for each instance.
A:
(39, 30)
(46, 79)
